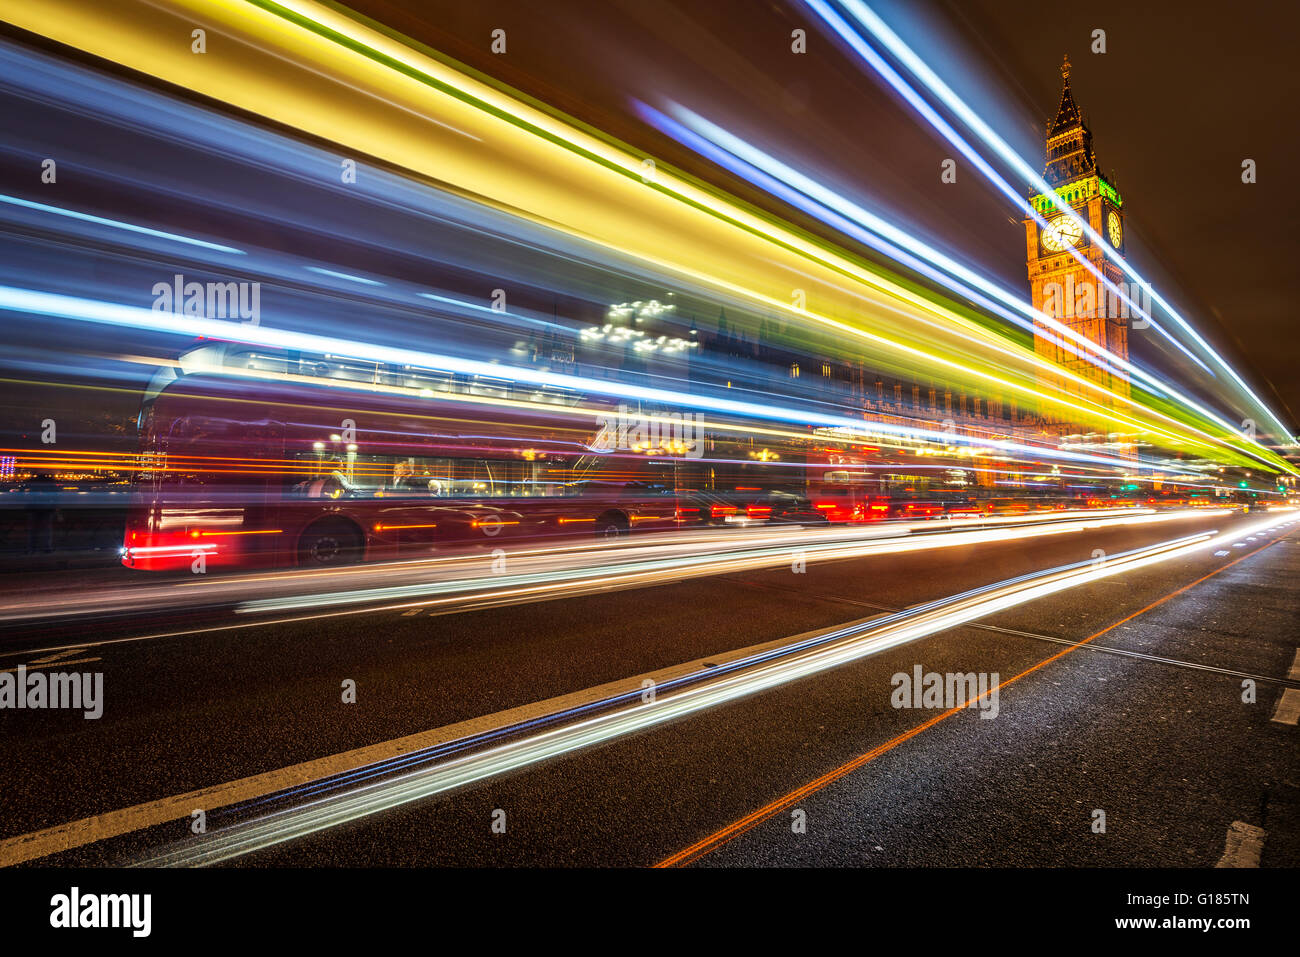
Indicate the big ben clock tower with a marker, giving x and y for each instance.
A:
(1059, 256)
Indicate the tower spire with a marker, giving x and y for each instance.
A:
(1068, 116)
(1069, 142)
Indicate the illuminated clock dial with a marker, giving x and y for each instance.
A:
(1114, 230)
(1062, 232)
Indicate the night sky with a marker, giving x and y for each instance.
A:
(1176, 103)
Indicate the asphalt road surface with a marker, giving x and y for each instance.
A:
(1153, 743)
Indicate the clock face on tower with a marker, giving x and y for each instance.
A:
(1062, 232)
(1114, 230)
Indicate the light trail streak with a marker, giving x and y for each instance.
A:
(87, 460)
(837, 648)
(562, 583)
(876, 62)
(919, 69)
(52, 304)
(334, 28)
(343, 275)
(735, 154)
(47, 209)
(565, 563)
(585, 412)
(780, 180)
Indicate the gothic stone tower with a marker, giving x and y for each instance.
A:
(1061, 285)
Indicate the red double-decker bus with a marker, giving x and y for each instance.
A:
(251, 457)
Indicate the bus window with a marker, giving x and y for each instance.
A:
(386, 476)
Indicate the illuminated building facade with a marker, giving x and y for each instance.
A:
(1070, 278)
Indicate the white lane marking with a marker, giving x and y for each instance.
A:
(1288, 706)
(1108, 650)
(1221, 552)
(412, 612)
(1242, 846)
